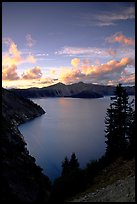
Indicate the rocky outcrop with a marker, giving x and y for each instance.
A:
(77, 90)
(21, 179)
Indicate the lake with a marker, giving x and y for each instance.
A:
(69, 125)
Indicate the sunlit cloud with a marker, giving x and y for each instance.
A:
(75, 62)
(121, 52)
(14, 56)
(127, 79)
(30, 58)
(30, 42)
(68, 75)
(34, 73)
(120, 38)
(111, 72)
(95, 73)
(9, 73)
(24, 83)
(52, 72)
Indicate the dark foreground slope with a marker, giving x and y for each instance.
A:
(115, 183)
(21, 179)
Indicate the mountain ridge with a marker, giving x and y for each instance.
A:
(76, 90)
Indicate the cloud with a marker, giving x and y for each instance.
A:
(110, 72)
(75, 62)
(34, 73)
(23, 83)
(30, 41)
(52, 72)
(110, 18)
(122, 52)
(14, 56)
(127, 79)
(7, 41)
(89, 51)
(109, 67)
(120, 38)
(30, 58)
(95, 73)
(9, 73)
(70, 75)
(112, 52)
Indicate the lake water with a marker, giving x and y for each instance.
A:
(69, 125)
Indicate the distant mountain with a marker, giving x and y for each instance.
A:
(77, 90)
(87, 94)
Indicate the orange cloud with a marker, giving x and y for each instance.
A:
(34, 73)
(120, 38)
(94, 72)
(110, 66)
(75, 62)
(70, 75)
(9, 73)
(130, 79)
(52, 72)
(23, 83)
(30, 58)
(13, 55)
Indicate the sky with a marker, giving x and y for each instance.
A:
(44, 43)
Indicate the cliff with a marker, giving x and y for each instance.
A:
(21, 179)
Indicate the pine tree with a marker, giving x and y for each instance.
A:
(117, 123)
(74, 164)
(110, 133)
(65, 166)
(68, 166)
(131, 134)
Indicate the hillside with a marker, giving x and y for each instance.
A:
(21, 179)
(115, 183)
(17, 109)
(77, 90)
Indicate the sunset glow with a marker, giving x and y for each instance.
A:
(46, 43)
